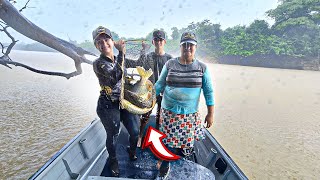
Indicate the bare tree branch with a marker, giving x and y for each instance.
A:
(2, 22)
(25, 6)
(4, 57)
(13, 18)
(13, 41)
(2, 48)
(66, 75)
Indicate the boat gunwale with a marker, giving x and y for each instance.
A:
(226, 156)
(64, 148)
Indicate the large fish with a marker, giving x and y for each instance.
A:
(140, 97)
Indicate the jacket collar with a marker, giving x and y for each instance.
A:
(102, 56)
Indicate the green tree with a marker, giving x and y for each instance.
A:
(234, 41)
(254, 39)
(297, 21)
(208, 35)
(259, 27)
(296, 12)
(175, 33)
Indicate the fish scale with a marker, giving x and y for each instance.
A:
(139, 98)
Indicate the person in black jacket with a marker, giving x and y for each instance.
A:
(154, 61)
(109, 72)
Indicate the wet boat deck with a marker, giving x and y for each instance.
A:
(145, 166)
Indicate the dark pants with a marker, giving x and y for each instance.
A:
(110, 116)
(145, 117)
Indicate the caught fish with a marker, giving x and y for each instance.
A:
(140, 97)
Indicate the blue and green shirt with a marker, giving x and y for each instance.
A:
(181, 85)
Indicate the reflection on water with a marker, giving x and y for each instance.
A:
(266, 119)
(39, 113)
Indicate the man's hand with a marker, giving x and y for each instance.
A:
(120, 45)
(209, 120)
(144, 45)
(209, 117)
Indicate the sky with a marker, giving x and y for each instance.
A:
(76, 19)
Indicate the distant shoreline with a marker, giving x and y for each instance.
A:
(269, 61)
(265, 61)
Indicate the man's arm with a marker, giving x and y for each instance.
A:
(208, 95)
(120, 46)
(160, 84)
(209, 117)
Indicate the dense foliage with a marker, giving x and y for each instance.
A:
(296, 32)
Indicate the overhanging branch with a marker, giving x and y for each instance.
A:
(25, 6)
(17, 64)
(13, 18)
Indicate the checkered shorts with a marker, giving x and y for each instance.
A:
(181, 129)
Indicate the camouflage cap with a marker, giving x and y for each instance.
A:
(100, 30)
(158, 34)
(189, 37)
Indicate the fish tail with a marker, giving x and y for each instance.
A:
(143, 73)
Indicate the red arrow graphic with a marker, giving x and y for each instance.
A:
(153, 140)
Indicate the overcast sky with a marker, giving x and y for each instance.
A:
(136, 18)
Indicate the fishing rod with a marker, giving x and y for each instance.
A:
(135, 40)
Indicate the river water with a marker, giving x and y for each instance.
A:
(268, 120)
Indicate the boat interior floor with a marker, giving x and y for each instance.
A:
(145, 166)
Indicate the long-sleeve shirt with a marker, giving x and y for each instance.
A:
(150, 61)
(181, 85)
(109, 73)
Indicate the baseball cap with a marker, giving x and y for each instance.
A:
(188, 37)
(159, 34)
(100, 30)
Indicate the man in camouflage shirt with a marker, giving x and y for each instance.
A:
(154, 61)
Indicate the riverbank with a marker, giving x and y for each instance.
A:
(272, 61)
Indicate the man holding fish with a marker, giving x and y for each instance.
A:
(154, 61)
(109, 71)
